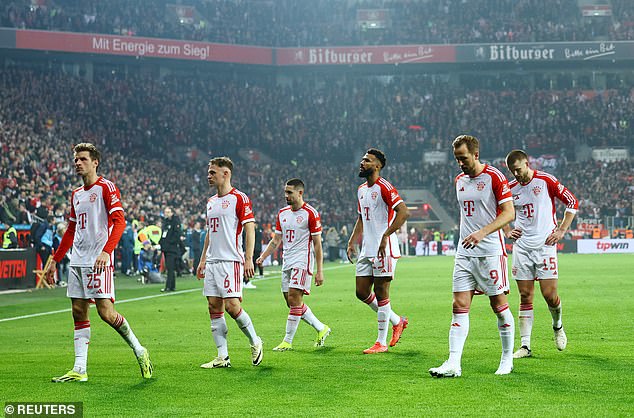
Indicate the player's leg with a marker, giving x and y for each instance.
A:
(81, 341)
(506, 328)
(458, 332)
(382, 290)
(526, 315)
(212, 289)
(294, 300)
(242, 318)
(384, 268)
(107, 312)
(549, 291)
(286, 277)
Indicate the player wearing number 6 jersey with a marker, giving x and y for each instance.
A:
(480, 264)
(536, 234)
(224, 264)
(381, 213)
(298, 226)
(95, 226)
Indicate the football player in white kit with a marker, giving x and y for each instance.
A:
(95, 226)
(298, 227)
(224, 263)
(381, 213)
(536, 234)
(486, 205)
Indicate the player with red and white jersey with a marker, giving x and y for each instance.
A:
(298, 227)
(536, 234)
(96, 224)
(480, 264)
(381, 213)
(224, 262)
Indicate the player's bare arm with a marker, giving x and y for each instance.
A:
(506, 215)
(402, 213)
(354, 237)
(200, 270)
(559, 232)
(319, 258)
(271, 246)
(49, 273)
(249, 229)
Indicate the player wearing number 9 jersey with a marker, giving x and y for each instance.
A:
(480, 265)
(298, 227)
(96, 224)
(536, 234)
(381, 213)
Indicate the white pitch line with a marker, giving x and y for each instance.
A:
(273, 276)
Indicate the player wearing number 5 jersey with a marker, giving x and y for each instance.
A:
(381, 213)
(480, 264)
(224, 263)
(95, 226)
(536, 234)
(298, 227)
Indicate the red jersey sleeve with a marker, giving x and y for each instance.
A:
(500, 186)
(389, 193)
(244, 209)
(111, 197)
(558, 190)
(278, 225)
(314, 222)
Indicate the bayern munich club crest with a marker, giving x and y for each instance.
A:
(225, 204)
(93, 197)
(480, 186)
(374, 195)
(537, 190)
(299, 219)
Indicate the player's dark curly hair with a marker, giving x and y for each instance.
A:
(380, 155)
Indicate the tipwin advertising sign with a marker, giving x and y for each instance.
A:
(605, 246)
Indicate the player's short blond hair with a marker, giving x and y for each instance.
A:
(92, 150)
(222, 162)
(472, 143)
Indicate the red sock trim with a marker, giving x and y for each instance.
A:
(82, 324)
(526, 307)
(501, 308)
(461, 310)
(119, 321)
(216, 315)
(296, 311)
(370, 298)
(304, 309)
(384, 302)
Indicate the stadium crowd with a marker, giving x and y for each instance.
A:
(157, 135)
(285, 23)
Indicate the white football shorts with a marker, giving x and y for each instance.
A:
(84, 284)
(297, 279)
(223, 279)
(538, 264)
(376, 266)
(483, 274)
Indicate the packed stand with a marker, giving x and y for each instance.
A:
(291, 23)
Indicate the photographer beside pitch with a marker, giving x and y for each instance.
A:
(536, 234)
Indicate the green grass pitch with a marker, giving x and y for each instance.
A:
(592, 377)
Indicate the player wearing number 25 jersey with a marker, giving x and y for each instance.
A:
(95, 226)
(485, 204)
(536, 234)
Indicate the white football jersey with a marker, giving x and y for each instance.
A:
(91, 209)
(479, 198)
(535, 213)
(375, 205)
(226, 215)
(297, 227)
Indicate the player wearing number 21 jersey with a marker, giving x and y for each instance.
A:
(485, 204)
(298, 227)
(95, 226)
(536, 234)
(224, 262)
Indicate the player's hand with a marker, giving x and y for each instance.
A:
(249, 270)
(259, 261)
(200, 271)
(319, 278)
(350, 253)
(554, 237)
(49, 273)
(515, 234)
(473, 239)
(101, 262)
(382, 246)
